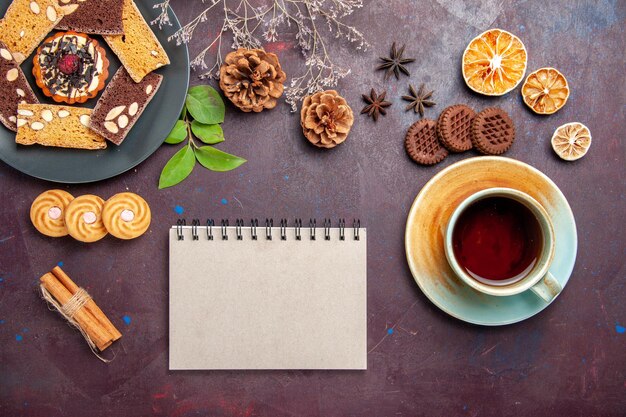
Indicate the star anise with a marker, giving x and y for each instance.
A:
(395, 63)
(419, 100)
(375, 104)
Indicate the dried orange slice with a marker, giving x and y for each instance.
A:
(571, 141)
(545, 91)
(494, 62)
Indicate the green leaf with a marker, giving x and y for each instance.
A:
(205, 105)
(210, 134)
(178, 133)
(177, 168)
(183, 113)
(216, 160)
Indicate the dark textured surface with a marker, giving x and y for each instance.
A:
(570, 360)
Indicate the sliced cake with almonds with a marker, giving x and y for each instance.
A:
(14, 87)
(60, 126)
(99, 17)
(138, 49)
(26, 23)
(122, 103)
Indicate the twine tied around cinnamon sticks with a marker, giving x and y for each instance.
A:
(75, 303)
(79, 309)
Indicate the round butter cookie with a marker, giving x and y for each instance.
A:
(126, 215)
(47, 213)
(83, 217)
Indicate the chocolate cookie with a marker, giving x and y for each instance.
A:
(422, 145)
(454, 127)
(493, 131)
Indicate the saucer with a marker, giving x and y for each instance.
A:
(426, 227)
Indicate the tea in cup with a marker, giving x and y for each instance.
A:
(500, 241)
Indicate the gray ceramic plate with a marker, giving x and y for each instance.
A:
(79, 166)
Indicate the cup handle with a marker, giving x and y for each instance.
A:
(548, 288)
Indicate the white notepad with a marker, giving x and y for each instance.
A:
(267, 304)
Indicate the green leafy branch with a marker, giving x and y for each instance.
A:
(207, 109)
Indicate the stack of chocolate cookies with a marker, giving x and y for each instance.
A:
(458, 129)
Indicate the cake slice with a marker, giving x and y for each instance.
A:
(138, 48)
(26, 23)
(122, 103)
(100, 17)
(60, 126)
(14, 87)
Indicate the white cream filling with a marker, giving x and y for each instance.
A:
(127, 215)
(89, 217)
(54, 213)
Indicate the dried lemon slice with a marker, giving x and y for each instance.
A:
(545, 91)
(494, 62)
(571, 141)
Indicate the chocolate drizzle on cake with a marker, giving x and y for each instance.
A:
(69, 64)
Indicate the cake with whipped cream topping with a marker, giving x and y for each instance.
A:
(70, 67)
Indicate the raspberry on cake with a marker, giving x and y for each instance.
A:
(70, 67)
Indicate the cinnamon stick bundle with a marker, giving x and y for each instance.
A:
(78, 307)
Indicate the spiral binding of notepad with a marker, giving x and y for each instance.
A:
(222, 229)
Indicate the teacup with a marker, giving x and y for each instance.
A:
(500, 241)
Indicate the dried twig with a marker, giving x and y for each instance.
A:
(249, 26)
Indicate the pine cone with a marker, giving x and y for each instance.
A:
(326, 119)
(252, 79)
